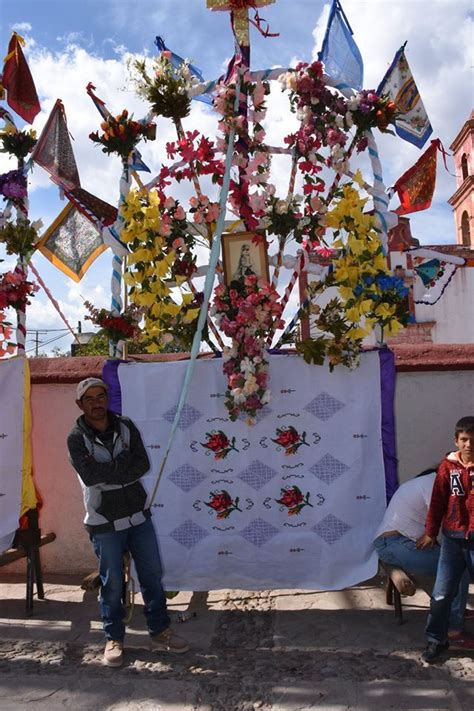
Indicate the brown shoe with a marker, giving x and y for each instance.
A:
(113, 653)
(168, 641)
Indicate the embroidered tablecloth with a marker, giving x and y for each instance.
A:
(292, 502)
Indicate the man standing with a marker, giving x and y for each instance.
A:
(109, 457)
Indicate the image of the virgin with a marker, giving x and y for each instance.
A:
(246, 265)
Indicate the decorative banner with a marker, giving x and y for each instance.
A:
(434, 270)
(292, 502)
(416, 187)
(412, 123)
(72, 243)
(16, 489)
(339, 53)
(54, 153)
(17, 80)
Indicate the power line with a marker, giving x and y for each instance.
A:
(46, 343)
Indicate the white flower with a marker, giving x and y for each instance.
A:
(349, 120)
(339, 121)
(281, 207)
(266, 397)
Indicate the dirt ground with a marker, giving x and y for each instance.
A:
(283, 650)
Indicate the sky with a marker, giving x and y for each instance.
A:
(69, 45)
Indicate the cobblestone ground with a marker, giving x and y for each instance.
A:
(273, 651)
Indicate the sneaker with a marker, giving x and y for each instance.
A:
(432, 651)
(461, 640)
(113, 653)
(168, 641)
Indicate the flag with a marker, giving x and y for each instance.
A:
(54, 153)
(177, 61)
(412, 122)
(415, 188)
(99, 212)
(340, 54)
(17, 80)
(72, 242)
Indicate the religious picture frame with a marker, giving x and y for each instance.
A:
(244, 256)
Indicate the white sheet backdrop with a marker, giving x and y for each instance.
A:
(260, 544)
(12, 396)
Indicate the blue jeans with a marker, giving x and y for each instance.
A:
(403, 553)
(455, 560)
(140, 541)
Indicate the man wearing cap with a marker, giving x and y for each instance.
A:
(108, 454)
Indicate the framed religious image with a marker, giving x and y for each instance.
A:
(243, 257)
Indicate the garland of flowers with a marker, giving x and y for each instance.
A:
(121, 134)
(161, 257)
(246, 311)
(7, 347)
(369, 295)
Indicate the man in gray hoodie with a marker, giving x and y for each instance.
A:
(109, 456)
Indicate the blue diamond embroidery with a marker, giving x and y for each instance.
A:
(324, 406)
(187, 477)
(189, 415)
(331, 529)
(328, 469)
(257, 474)
(259, 532)
(189, 534)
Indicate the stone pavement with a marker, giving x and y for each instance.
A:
(282, 650)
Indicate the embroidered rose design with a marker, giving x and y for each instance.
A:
(290, 439)
(219, 444)
(293, 500)
(222, 503)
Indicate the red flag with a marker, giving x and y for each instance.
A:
(17, 80)
(54, 153)
(415, 188)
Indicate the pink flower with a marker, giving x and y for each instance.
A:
(169, 203)
(180, 213)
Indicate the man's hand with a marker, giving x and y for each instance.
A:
(425, 542)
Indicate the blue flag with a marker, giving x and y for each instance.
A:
(340, 54)
(177, 61)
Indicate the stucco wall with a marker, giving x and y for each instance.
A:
(453, 315)
(435, 386)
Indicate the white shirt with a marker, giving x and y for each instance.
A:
(408, 507)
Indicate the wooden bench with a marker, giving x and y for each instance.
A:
(399, 584)
(26, 544)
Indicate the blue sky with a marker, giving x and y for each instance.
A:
(70, 44)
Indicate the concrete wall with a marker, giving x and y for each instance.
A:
(435, 386)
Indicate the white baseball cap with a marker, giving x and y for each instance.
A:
(84, 386)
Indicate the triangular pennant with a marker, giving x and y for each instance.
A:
(99, 212)
(54, 153)
(17, 80)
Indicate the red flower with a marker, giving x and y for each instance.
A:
(287, 437)
(217, 441)
(220, 501)
(291, 497)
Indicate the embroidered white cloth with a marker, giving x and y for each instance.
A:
(11, 446)
(292, 502)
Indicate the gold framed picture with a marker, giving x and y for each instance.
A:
(243, 257)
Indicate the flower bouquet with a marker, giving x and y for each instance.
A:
(167, 89)
(16, 290)
(18, 143)
(20, 237)
(13, 186)
(115, 327)
(121, 134)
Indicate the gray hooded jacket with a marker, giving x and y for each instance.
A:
(114, 497)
